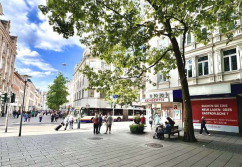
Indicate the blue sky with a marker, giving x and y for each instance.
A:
(41, 51)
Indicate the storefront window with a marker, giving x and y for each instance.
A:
(230, 60)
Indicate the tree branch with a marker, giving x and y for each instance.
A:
(144, 70)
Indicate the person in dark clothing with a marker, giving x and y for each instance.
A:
(203, 125)
(171, 122)
(100, 120)
(18, 113)
(52, 117)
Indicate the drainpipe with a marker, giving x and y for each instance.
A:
(240, 70)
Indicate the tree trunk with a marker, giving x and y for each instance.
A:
(188, 120)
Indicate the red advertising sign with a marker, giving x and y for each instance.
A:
(217, 112)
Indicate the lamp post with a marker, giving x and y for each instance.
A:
(25, 77)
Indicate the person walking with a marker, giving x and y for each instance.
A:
(29, 117)
(157, 120)
(18, 113)
(56, 117)
(203, 125)
(14, 113)
(95, 124)
(109, 122)
(151, 121)
(66, 121)
(100, 121)
(142, 120)
(71, 121)
(52, 117)
(40, 117)
(25, 116)
(32, 113)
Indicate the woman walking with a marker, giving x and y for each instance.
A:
(40, 117)
(151, 121)
(71, 121)
(95, 124)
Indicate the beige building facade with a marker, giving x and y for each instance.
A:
(8, 52)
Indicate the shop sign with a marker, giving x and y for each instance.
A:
(159, 95)
(157, 100)
(221, 112)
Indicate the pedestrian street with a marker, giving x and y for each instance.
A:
(40, 145)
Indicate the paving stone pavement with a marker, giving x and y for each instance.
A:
(119, 149)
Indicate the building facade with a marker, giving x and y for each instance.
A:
(18, 90)
(87, 98)
(214, 74)
(8, 52)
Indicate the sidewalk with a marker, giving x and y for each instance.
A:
(82, 148)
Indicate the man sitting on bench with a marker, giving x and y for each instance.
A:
(167, 127)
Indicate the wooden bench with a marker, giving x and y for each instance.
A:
(174, 129)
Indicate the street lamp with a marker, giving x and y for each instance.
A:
(25, 78)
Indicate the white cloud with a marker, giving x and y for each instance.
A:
(26, 52)
(36, 74)
(37, 34)
(43, 85)
(38, 63)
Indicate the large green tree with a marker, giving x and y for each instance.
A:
(57, 93)
(119, 32)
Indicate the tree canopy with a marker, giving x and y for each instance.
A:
(120, 31)
(56, 96)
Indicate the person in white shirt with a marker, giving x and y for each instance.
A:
(66, 121)
(71, 121)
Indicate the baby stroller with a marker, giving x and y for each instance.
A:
(159, 132)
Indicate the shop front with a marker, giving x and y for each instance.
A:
(222, 111)
(161, 103)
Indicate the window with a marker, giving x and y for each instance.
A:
(102, 94)
(103, 65)
(91, 93)
(79, 94)
(230, 60)
(82, 93)
(204, 32)
(188, 70)
(203, 65)
(161, 77)
(92, 64)
(189, 38)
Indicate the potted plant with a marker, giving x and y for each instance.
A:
(137, 128)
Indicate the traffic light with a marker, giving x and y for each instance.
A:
(13, 98)
(4, 97)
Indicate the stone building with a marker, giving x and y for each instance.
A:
(214, 74)
(18, 90)
(8, 52)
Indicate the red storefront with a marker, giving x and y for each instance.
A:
(222, 112)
